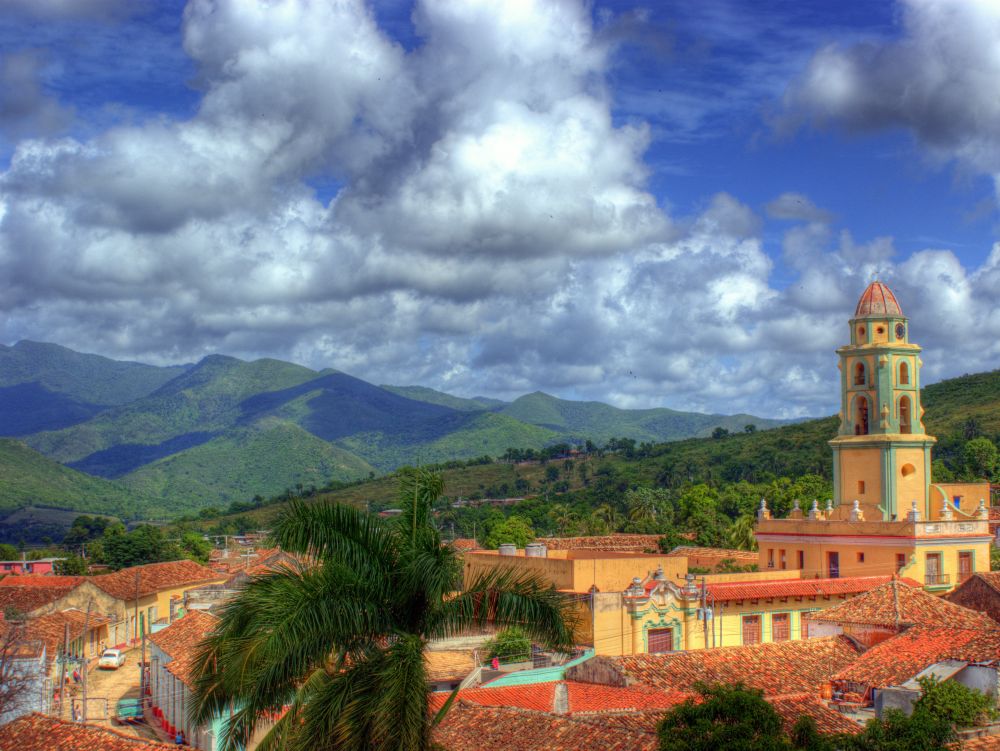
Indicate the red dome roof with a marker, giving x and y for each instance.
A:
(877, 300)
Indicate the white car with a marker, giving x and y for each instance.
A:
(111, 659)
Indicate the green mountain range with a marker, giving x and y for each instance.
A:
(170, 440)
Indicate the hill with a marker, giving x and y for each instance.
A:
(88, 379)
(224, 429)
(602, 422)
(30, 479)
(956, 410)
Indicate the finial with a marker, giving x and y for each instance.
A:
(795, 505)
(982, 512)
(762, 512)
(814, 511)
(857, 515)
(913, 515)
(946, 513)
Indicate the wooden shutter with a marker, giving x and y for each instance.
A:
(779, 627)
(661, 640)
(751, 629)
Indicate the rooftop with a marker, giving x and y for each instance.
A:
(51, 629)
(469, 726)
(877, 301)
(28, 593)
(763, 590)
(898, 659)
(614, 543)
(897, 604)
(37, 732)
(448, 664)
(567, 698)
(778, 668)
(154, 577)
(180, 639)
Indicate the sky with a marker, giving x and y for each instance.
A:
(664, 204)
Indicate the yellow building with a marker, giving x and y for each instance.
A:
(887, 516)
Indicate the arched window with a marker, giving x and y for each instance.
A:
(861, 415)
(859, 374)
(904, 414)
(904, 374)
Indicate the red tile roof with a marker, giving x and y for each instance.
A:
(581, 698)
(37, 732)
(470, 726)
(616, 543)
(828, 720)
(898, 605)
(985, 743)
(775, 668)
(28, 599)
(763, 590)
(720, 553)
(180, 639)
(40, 581)
(155, 577)
(877, 300)
(448, 664)
(898, 659)
(464, 543)
(50, 629)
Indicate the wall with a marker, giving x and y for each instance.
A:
(861, 464)
(977, 595)
(970, 492)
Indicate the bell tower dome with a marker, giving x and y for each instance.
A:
(881, 455)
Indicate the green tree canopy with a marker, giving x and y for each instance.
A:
(730, 717)
(513, 529)
(341, 644)
(981, 458)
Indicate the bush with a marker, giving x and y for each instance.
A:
(958, 704)
(509, 645)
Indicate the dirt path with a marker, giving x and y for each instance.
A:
(113, 685)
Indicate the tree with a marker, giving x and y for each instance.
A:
(21, 676)
(563, 518)
(341, 644)
(951, 701)
(741, 534)
(71, 565)
(921, 731)
(8, 552)
(981, 458)
(751, 428)
(732, 717)
(649, 510)
(514, 529)
(144, 544)
(720, 432)
(510, 645)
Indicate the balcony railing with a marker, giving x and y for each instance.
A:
(935, 580)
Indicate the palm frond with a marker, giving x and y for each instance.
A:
(418, 489)
(506, 598)
(338, 533)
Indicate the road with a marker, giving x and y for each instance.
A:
(113, 685)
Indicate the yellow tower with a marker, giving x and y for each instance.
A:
(881, 455)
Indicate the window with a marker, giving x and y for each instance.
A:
(661, 640)
(907, 470)
(861, 415)
(957, 500)
(861, 557)
(770, 557)
(802, 559)
(900, 562)
(861, 333)
(781, 560)
(779, 627)
(833, 564)
(859, 374)
(964, 566)
(904, 374)
(933, 572)
(751, 629)
(904, 414)
(861, 487)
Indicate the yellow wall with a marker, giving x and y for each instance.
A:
(970, 492)
(910, 487)
(865, 465)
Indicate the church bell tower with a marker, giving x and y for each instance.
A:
(881, 455)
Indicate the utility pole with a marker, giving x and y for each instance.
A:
(135, 619)
(704, 610)
(86, 631)
(62, 669)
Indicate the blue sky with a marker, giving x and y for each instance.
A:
(496, 198)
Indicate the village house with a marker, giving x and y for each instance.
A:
(38, 732)
(172, 653)
(890, 609)
(981, 592)
(134, 598)
(40, 566)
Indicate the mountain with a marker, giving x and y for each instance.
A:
(225, 429)
(424, 394)
(86, 379)
(601, 422)
(28, 478)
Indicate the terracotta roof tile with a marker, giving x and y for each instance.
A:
(37, 732)
(30, 598)
(761, 590)
(470, 726)
(444, 665)
(877, 300)
(155, 577)
(828, 720)
(180, 639)
(985, 743)
(775, 668)
(897, 604)
(464, 543)
(720, 553)
(50, 629)
(616, 543)
(898, 659)
(30, 580)
(581, 698)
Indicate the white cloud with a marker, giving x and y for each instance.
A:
(492, 231)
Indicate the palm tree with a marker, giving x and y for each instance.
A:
(340, 644)
(741, 534)
(562, 517)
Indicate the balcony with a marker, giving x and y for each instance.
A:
(936, 580)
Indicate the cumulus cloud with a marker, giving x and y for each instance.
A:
(24, 106)
(490, 230)
(937, 80)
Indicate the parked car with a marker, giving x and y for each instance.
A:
(111, 659)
